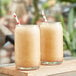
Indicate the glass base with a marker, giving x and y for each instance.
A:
(51, 63)
(27, 68)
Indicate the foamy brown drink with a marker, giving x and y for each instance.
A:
(27, 47)
(51, 43)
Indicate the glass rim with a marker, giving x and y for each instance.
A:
(21, 25)
(51, 22)
(27, 26)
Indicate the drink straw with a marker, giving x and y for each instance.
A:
(15, 16)
(43, 14)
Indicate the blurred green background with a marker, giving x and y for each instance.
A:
(30, 13)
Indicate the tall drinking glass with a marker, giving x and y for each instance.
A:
(51, 43)
(27, 47)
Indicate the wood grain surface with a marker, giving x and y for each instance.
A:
(66, 66)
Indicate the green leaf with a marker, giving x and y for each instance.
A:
(6, 2)
(70, 20)
(65, 32)
(45, 6)
(62, 21)
(74, 40)
(66, 39)
(2, 12)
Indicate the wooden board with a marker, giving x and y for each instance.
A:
(66, 66)
(72, 73)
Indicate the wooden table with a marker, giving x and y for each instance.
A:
(67, 68)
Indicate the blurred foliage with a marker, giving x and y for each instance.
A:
(71, 1)
(36, 12)
(5, 2)
(2, 11)
(68, 29)
(69, 32)
(4, 7)
(45, 5)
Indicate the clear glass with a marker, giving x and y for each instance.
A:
(27, 47)
(51, 43)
